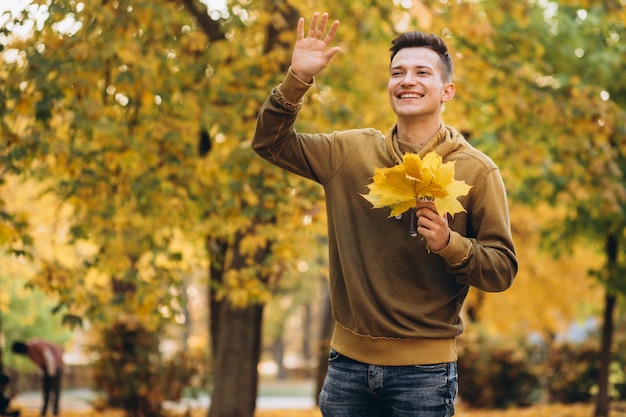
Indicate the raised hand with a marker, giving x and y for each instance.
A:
(311, 54)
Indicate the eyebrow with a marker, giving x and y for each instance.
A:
(410, 66)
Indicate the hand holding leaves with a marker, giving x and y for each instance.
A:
(401, 186)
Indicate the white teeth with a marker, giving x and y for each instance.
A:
(409, 96)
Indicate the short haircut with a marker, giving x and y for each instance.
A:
(416, 39)
(19, 347)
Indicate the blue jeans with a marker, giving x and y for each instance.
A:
(356, 389)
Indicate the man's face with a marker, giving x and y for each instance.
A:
(416, 89)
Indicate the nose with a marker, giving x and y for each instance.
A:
(408, 79)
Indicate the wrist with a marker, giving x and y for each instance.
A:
(305, 78)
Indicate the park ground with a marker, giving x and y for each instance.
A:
(286, 399)
(578, 410)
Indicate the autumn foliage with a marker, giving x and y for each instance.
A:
(400, 187)
(125, 165)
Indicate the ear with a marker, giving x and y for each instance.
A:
(448, 92)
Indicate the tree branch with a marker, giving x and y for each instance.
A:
(209, 26)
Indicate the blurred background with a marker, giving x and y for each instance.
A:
(139, 230)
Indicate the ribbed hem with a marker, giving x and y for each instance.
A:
(392, 351)
(293, 89)
(457, 251)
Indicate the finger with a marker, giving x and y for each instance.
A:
(300, 29)
(322, 26)
(424, 223)
(421, 204)
(427, 212)
(332, 51)
(313, 27)
(331, 33)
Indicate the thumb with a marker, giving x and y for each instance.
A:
(332, 52)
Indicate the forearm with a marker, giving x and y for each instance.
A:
(50, 368)
(275, 138)
(488, 268)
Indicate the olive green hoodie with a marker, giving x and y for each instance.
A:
(394, 301)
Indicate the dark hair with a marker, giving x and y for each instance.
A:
(416, 39)
(19, 347)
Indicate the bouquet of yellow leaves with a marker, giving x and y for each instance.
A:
(402, 186)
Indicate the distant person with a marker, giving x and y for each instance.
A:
(48, 357)
(5, 399)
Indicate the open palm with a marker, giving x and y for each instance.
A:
(311, 53)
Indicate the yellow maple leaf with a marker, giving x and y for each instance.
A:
(401, 186)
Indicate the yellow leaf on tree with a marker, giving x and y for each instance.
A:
(401, 186)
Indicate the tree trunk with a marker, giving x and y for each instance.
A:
(236, 341)
(236, 357)
(1, 346)
(217, 252)
(278, 354)
(306, 337)
(326, 331)
(602, 400)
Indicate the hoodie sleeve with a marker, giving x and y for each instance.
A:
(485, 258)
(275, 138)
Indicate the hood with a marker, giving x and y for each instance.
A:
(445, 141)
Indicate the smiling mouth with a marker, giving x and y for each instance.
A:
(409, 95)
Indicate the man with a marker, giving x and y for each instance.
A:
(396, 300)
(48, 357)
(5, 398)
